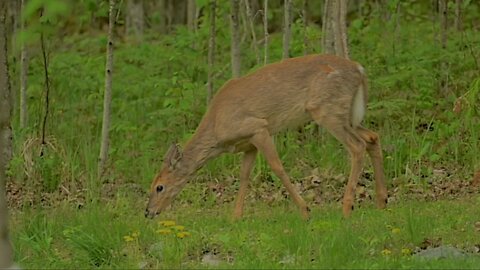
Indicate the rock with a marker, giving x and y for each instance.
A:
(210, 259)
(143, 265)
(441, 252)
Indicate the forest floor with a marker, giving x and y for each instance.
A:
(112, 233)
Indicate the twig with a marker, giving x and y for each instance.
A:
(47, 87)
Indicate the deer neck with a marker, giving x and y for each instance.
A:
(199, 149)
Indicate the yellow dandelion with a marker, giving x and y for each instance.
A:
(183, 234)
(396, 230)
(406, 251)
(164, 231)
(167, 223)
(135, 234)
(128, 238)
(386, 252)
(178, 227)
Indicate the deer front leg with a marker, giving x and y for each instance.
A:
(264, 143)
(245, 171)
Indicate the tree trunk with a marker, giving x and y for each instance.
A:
(191, 15)
(335, 28)
(135, 22)
(180, 12)
(235, 28)
(328, 41)
(23, 78)
(396, 29)
(6, 254)
(458, 15)
(265, 31)
(107, 99)
(306, 49)
(169, 14)
(287, 28)
(443, 12)
(443, 9)
(211, 50)
(251, 23)
(162, 11)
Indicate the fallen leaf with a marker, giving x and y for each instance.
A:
(477, 226)
(476, 179)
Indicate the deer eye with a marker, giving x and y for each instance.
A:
(159, 188)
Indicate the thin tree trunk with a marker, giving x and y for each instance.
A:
(335, 28)
(6, 254)
(328, 41)
(265, 31)
(170, 13)
(162, 11)
(107, 99)
(434, 5)
(135, 21)
(306, 49)
(251, 23)
(287, 28)
(235, 28)
(443, 9)
(396, 29)
(23, 78)
(191, 15)
(341, 29)
(458, 15)
(211, 50)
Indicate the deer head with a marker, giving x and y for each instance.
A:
(166, 184)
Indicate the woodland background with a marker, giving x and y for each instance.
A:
(167, 59)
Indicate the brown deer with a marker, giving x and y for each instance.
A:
(246, 112)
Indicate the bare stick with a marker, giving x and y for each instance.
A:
(107, 99)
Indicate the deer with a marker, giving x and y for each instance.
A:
(247, 112)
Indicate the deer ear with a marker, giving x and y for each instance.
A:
(173, 155)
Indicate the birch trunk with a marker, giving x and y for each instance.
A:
(23, 78)
(211, 50)
(443, 9)
(235, 28)
(107, 99)
(306, 49)
(287, 28)
(458, 15)
(251, 23)
(6, 254)
(328, 40)
(265, 31)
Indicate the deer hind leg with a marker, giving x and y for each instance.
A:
(375, 152)
(245, 171)
(264, 143)
(340, 128)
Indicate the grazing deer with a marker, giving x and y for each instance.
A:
(247, 112)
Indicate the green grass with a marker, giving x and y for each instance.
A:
(115, 234)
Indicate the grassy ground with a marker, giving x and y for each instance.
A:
(115, 234)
